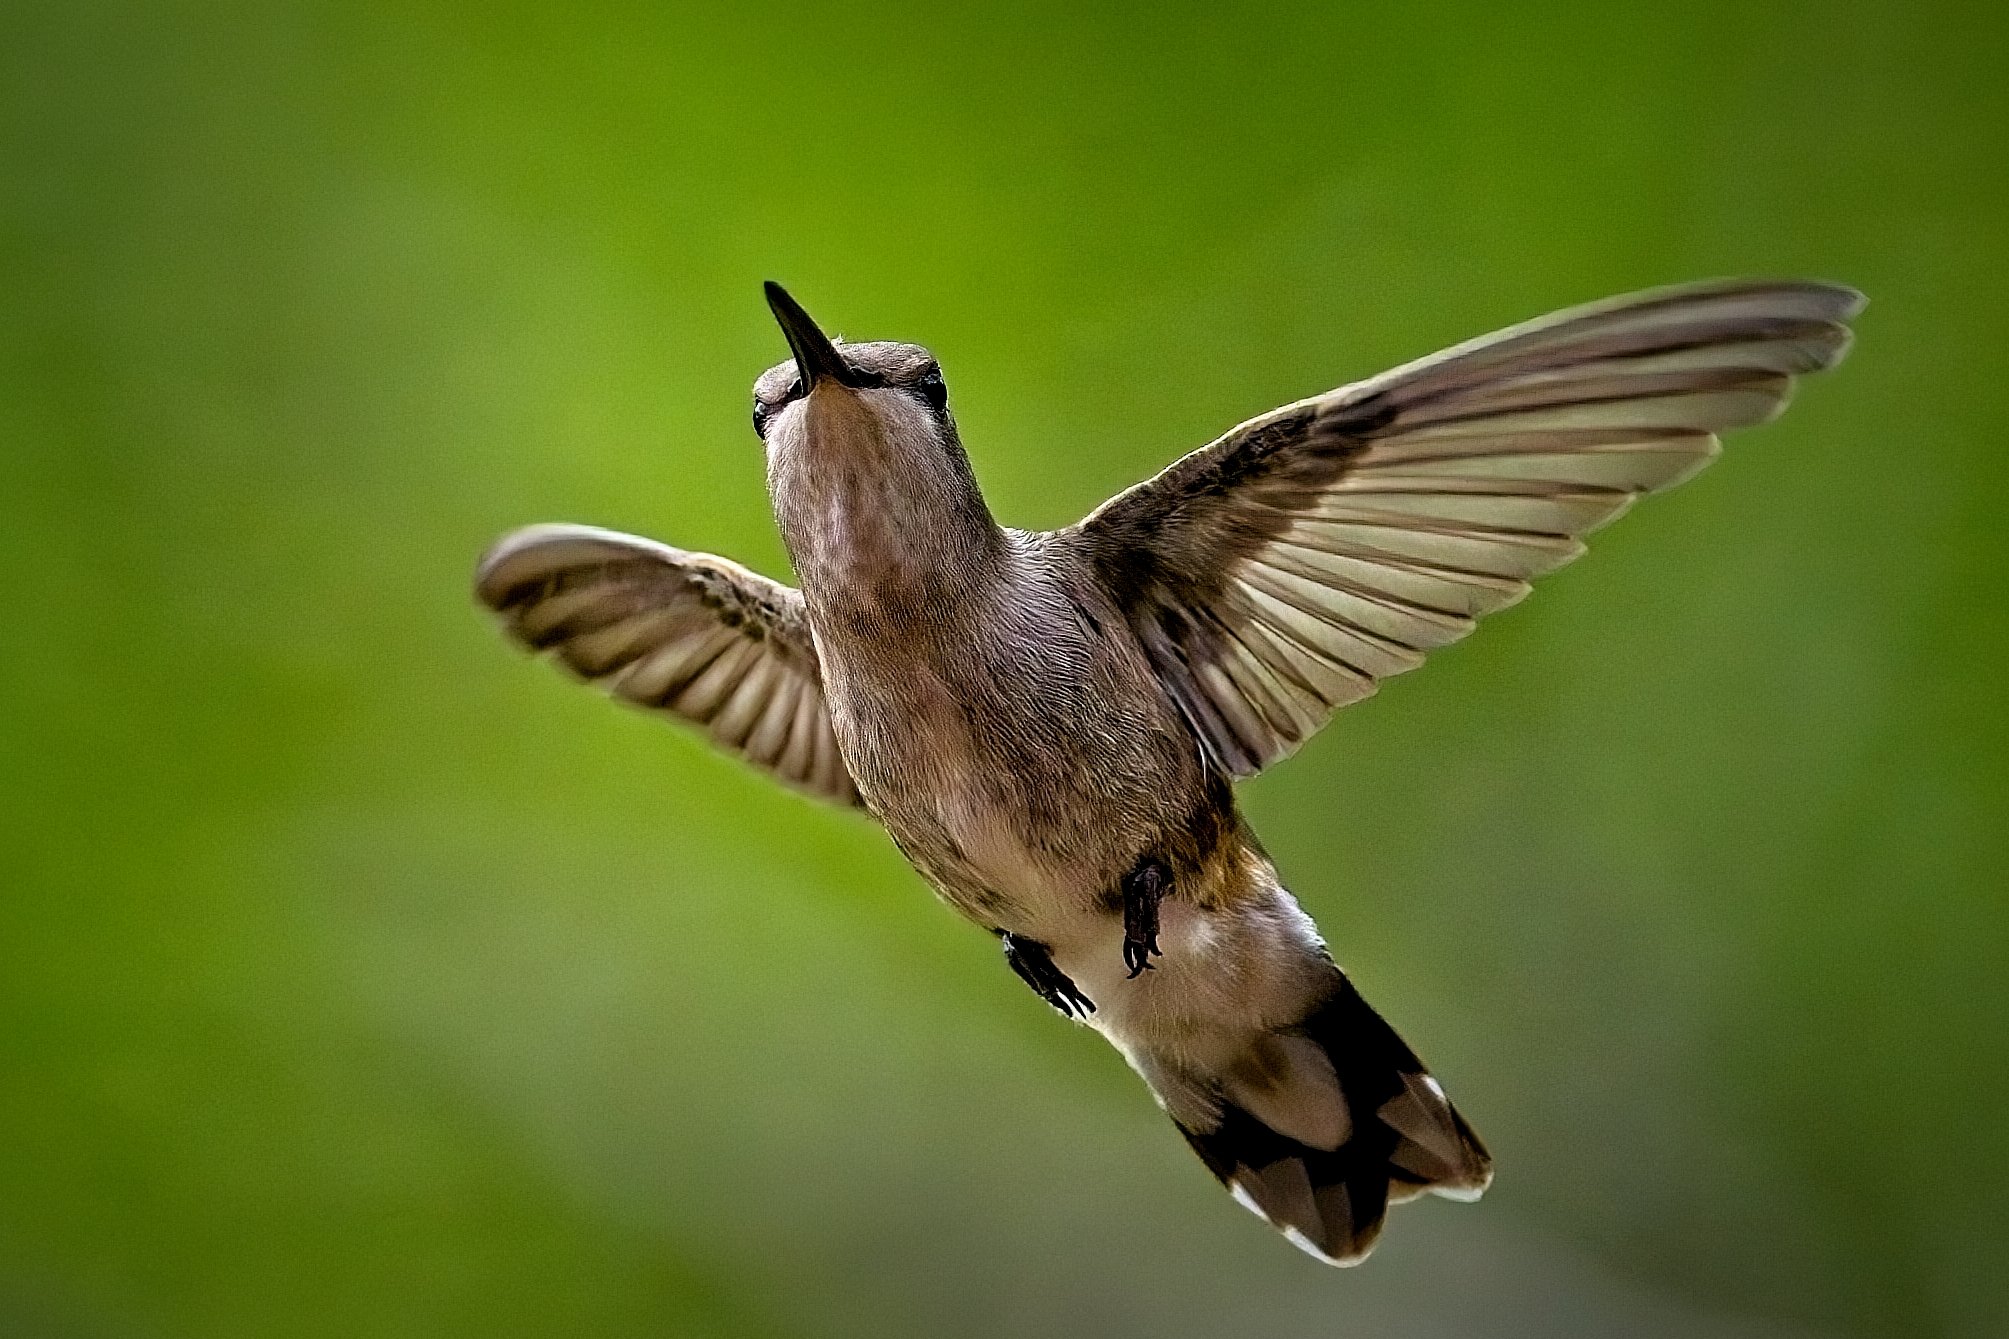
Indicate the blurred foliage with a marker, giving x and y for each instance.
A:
(359, 978)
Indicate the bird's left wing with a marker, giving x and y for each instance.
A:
(1281, 572)
(686, 633)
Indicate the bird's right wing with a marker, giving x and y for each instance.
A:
(1286, 569)
(686, 633)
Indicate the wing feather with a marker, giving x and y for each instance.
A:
(1282, 571)
(689, 634)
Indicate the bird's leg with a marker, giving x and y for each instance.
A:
(1033, 963)
(1143, 889)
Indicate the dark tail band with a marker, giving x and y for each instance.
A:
(1401, 1139)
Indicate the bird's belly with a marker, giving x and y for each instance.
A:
(999, 860)
(1023, 777)
(1019, 842)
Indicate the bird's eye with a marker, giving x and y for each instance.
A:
(760, 414)
(934, 391)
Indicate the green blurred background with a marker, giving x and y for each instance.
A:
(359, 977)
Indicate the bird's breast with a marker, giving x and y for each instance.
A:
(993, 827)
(1023, 776)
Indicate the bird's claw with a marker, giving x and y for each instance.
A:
(1033, 964)
(1143, 889)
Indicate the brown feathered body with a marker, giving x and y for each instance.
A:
(1035, 717)
(1000, 716)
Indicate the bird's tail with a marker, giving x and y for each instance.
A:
(1319, 1127)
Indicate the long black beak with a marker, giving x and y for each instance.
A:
(816, 358)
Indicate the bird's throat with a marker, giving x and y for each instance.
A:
(882, 517)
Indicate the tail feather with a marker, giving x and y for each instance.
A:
(1327, 1178)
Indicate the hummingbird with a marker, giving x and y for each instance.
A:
(1048, 724)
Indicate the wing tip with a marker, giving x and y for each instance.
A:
(533, 553)
(1843, 300)
(1849, 300)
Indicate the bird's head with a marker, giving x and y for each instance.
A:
(860, 440)
(832, 393)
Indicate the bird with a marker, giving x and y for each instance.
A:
(1049, 724)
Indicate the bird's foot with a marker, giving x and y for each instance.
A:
(1143, 889)
(1033, 964)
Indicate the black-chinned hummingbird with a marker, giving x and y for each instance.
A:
(1048, 723)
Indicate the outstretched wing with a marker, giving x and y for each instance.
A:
(686, 633)
(1283, 571)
